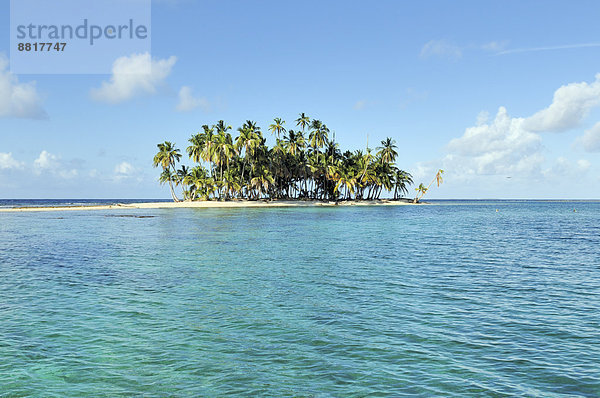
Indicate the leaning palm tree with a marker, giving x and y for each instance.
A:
(168, 177)
(166, 157)
(421, 190)
(438, 178)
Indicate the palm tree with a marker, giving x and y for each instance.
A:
(221, 127)
(346, 179)
(225, 149)
(231, 183)
(168, 177)
(387, 151)
(208, 152)
(262, 181)
(197, 180)
(244, 166)
(303, 121)
(243, 143)
(166, 157)
(401, 181)
(196, 148)
(438, 178)
(181, 176)
(366, 169)
(318, 135)
(277, 127)
(421, 190)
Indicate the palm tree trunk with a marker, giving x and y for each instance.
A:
(175, 199)
(243, 167)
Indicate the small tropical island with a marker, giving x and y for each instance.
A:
(305, 164)
(304, 168)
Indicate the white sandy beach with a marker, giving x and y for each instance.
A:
(214, 204)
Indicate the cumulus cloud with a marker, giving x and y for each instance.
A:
(584, 164)
(19, 100)
(571, 104)
(505, 157)
(441, 48)
(124, 169)
(46, 161)
(187, 101)
(133, 76)
(502, 146)
(564, 168)
(7, 162)
(591, 139)
(52, 164)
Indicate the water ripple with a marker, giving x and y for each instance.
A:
(441, 300)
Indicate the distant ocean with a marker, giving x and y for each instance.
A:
(460, 299)
(8, 203)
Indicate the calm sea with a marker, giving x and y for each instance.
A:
(461, 299)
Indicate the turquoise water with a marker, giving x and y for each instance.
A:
(451, 300)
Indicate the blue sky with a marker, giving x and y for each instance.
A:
(504, 96)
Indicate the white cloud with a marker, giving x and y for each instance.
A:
(359, 105)
(505, 156)
(20, 100)
(501, 147)
(124, 169)
(564, 168)
(441, 48)
(49, 163)
(584, 164)
(8, 162)
(483, 118)
(570, 106)
(46, 161)
(591, 139)
(548, 48)
(187, 102)
(133, 76)
(494, 46)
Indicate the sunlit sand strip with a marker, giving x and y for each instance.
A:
(212, 204)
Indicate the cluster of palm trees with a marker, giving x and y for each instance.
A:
(305, 163)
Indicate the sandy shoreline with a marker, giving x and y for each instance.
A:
(212, 204)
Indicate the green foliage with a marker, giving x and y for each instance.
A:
(303, 164)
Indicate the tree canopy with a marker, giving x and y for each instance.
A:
(305, 163)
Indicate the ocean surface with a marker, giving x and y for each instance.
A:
(458, 299)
